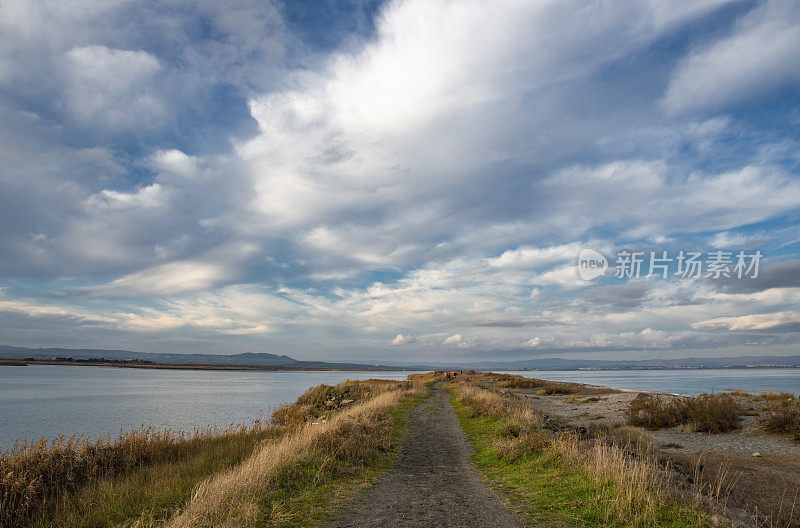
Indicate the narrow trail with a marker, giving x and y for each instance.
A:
(434, 484)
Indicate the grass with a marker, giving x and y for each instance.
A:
(151, 493)
(543, 387)
(290, 480)
(287, 473)
(782, 415)
(307, 491)
(49, 472)
(559, 479)
(709, 413)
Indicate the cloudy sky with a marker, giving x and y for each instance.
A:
(398, 181)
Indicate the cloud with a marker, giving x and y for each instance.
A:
(164, 280)
(761, 56)
(455, 339)
(788, 321)
(785, 274)
(248, 189)
(533, 342)
(111, 87)
(402, 340)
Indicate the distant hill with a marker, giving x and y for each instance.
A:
(246, 359)
(264, 359)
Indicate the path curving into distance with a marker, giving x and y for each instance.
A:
(434, 484)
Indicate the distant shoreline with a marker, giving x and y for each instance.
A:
(165, 366)
(289, 368)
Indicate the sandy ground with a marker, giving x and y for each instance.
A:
(434, 484)
(610, 409)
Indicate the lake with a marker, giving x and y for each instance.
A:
(684, 382)
(49, 400)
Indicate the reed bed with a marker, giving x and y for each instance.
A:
(38, 474)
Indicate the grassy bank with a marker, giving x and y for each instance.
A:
(36, 479)
(290, 481)
(284, 473)
(563, 479)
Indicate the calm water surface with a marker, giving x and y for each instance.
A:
(49, 400)
(685, 382)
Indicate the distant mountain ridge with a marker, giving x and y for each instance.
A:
(245, 359)
(264, 359)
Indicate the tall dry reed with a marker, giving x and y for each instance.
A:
(35, 474)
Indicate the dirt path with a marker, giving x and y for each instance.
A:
(434, 484)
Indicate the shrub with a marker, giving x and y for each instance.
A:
(650, 412)
(776, 396)
(550, 388)
(783, 417)
(711, 413)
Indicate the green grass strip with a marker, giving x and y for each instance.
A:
(547, 491)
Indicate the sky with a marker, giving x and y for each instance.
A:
(401, 181)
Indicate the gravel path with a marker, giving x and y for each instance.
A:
(434, 483)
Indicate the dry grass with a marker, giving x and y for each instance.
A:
(630, 439)
(640, 482)
(783, 416)
(48, 471)
(487, 403)
(235, 498)
(711, 413)
(542, 387)
(776, 396)
(623, 456)
(320, 402)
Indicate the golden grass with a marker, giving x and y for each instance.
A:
(782, 416)
(323, 400)
(48, 471)
(234, 498)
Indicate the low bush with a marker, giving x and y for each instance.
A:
(783, 417)
(629, 438)
(710, 413)
(776, 396)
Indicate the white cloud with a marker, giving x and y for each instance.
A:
(113, 87)
(761, 56)
(769, 321)
(455, 339)
(149, 197)
(401, 340)
(533, 342)
(164, 280)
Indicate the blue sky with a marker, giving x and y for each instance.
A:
(397, 181)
